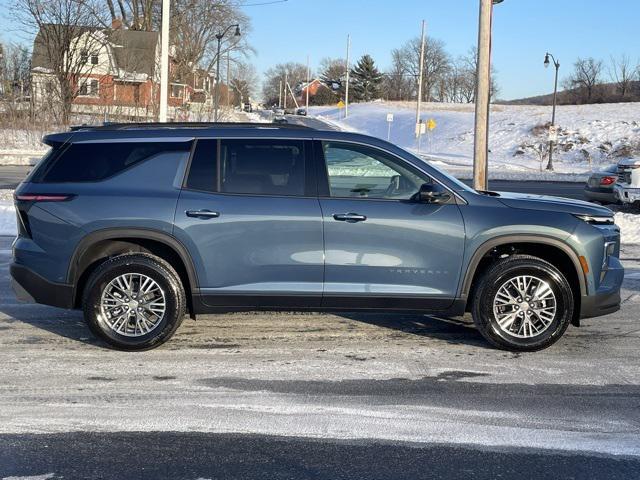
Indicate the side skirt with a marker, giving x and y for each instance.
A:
(204, 304)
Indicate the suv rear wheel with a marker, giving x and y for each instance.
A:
(134, 301)
(522, 303)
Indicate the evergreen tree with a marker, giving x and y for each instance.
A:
(366, 80)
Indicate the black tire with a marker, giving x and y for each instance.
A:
(496, 276)
(141, 263)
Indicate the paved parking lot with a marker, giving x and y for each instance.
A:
(316, 389)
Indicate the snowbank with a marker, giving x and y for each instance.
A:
(7, 219)
(590, 136)
(8, 225)
(629, 224)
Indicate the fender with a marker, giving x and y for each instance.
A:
(141, 233)
(507, 239)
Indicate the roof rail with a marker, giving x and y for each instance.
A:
(154, 125)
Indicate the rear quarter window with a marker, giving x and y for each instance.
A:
(93, 162)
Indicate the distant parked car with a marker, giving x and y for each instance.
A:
(627, 187)
(280, 119)
(599, 187)
(301, 111)
(248, 108)
(278, 111)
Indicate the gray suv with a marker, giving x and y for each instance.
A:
(140, 224)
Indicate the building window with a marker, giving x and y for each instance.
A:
(88, 87)
(84, 56)
(176, 91)
(94, 58)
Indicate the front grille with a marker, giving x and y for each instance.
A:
(624, 175)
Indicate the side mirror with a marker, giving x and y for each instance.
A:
(432, 193)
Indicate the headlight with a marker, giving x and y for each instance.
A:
(609, 251)
(596, 220)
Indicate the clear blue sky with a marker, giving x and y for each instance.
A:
(523, 31)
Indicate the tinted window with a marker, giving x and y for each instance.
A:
(364, 172)
(203, 172)
(91, 162)
(263, 167)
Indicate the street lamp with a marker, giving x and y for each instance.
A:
(219, 37)
(555, 94)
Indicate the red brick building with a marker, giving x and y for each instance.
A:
(119, 75)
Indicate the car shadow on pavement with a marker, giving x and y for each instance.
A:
(63, 323)
(457, 331)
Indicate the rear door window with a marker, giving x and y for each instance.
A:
(93, 162)
(203, 172)
(263, 167)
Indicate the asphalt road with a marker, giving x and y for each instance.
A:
(179, 455)
(292, 395)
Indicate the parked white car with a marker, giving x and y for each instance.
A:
(627, 188)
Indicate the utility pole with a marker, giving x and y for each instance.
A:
(420, 76)
(164, 61)
(286, 81)
(346, 88)
(483, 81)
(307, 89)
(556, 64)
(280, 94)
(228, 79)
(219, 38)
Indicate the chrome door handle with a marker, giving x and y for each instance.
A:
(349, 217)
(202, 214)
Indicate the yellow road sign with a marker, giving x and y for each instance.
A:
(340, 104)
(431, 124)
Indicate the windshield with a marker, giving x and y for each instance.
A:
(461, 185)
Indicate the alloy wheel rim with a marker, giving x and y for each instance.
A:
(133, 305)
(524, 306)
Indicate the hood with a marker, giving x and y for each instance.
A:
(556, 204)
(629, 162)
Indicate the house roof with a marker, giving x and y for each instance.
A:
(133, 50)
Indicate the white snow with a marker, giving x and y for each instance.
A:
(629, 224)
(21, 146)
(8, 222)
(602, 133)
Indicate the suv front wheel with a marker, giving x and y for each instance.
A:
(134, 301)
(522, 303)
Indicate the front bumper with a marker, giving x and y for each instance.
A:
(627, 195)
(31, 287)
(606, 299)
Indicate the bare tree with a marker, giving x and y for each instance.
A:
(622, 72)
(136, 14)
(244, 82)
(436, 63)
(15, 67)
(585, 78)
(68, 32)
(397, 83)
(194, 30)
(294, 72)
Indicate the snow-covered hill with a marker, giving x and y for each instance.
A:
(590, 136)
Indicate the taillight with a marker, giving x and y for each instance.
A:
(45, 197)
(607, 180)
